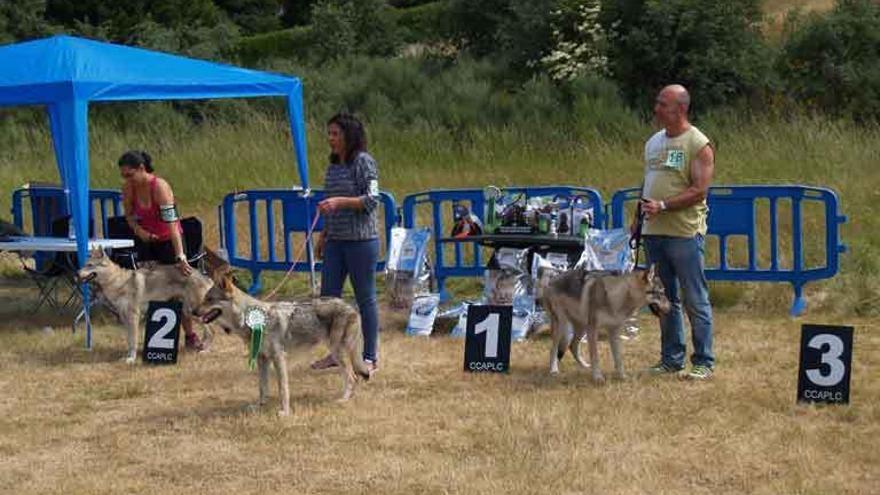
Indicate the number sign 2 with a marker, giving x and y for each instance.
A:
(487, 338)
(826, 364)
(163, 332)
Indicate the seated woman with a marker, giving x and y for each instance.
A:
(152, 215)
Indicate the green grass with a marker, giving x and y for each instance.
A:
(204, 163)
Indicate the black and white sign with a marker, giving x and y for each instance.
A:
(487, 338)
(163, 332)
(826, 364)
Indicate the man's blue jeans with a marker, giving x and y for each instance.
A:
(680, 265)
(358, 259)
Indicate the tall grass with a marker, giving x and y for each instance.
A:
(597, 145)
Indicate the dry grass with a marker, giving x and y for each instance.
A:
(73, 421)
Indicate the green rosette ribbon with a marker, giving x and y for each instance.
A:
(255, 319)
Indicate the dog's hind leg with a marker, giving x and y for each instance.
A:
(557, 349)
(614, 341)
(575, 345)
(280, 361)
(593, 341)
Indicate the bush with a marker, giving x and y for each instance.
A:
(832, 62)
(714, 47)
(346, 27)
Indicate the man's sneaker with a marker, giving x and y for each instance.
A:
(194, 343)
(662, 368)
(699, 372)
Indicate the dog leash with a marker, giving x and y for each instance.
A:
(295, 258)
(635, 242)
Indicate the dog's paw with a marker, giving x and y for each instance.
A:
(283, 413)
(598, 378)
(554, 370)
(129, 359)
(621, 376)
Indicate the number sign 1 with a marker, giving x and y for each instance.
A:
(163, 332)
(826, 364)
(487, 338)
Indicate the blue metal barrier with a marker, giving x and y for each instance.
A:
(48, 202)
(738, 211)
(446, 198)
(294, 206)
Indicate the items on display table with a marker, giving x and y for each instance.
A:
(407, 271)
(464, 222)
(514, 213)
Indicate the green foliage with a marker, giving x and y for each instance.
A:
(252, 16)
(292, 43)
(514, 33)
(296, 12)
(832, 62)
(422, 23)
(120, 18)
(714, 47)
(23, 19)
(346, 27)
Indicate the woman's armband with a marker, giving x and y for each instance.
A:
(168, 213)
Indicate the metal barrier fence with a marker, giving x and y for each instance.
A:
(297, 211)
(49, 203)
(757, 215)
(472, 265)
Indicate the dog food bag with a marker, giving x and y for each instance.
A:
(607, 250)
(407, 271)
(421, 317)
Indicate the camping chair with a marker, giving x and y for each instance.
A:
(57, 272)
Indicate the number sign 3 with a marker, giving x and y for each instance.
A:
(826, 363)
(162, 332)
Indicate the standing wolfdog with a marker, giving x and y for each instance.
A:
(590, 301)
(128, 292)
(288, 326)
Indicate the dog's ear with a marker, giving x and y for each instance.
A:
(649, 273)
(97, 253)
(225, 282)
(213, 261)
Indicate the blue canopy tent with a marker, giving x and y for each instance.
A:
(65, 74)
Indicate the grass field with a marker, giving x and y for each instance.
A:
(73, 421)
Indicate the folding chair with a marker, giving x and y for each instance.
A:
(57, 272)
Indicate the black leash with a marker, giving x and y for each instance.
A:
(635, 242)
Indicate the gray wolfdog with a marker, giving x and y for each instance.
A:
(128, 292)
(590, 301)
(289, 326)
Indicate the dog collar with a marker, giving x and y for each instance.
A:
(255, 320)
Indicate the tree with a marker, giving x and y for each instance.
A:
(714, 47)
(832, 62)
(252, 16)
(23, 19)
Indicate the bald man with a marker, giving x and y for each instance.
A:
(679, 163)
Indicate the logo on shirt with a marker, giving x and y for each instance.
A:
(374, 188)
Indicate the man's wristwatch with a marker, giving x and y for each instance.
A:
(663, 206)
(180, 257)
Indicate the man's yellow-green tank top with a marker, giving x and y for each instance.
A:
(667, 173)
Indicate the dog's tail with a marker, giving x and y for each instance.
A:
(354, 352)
